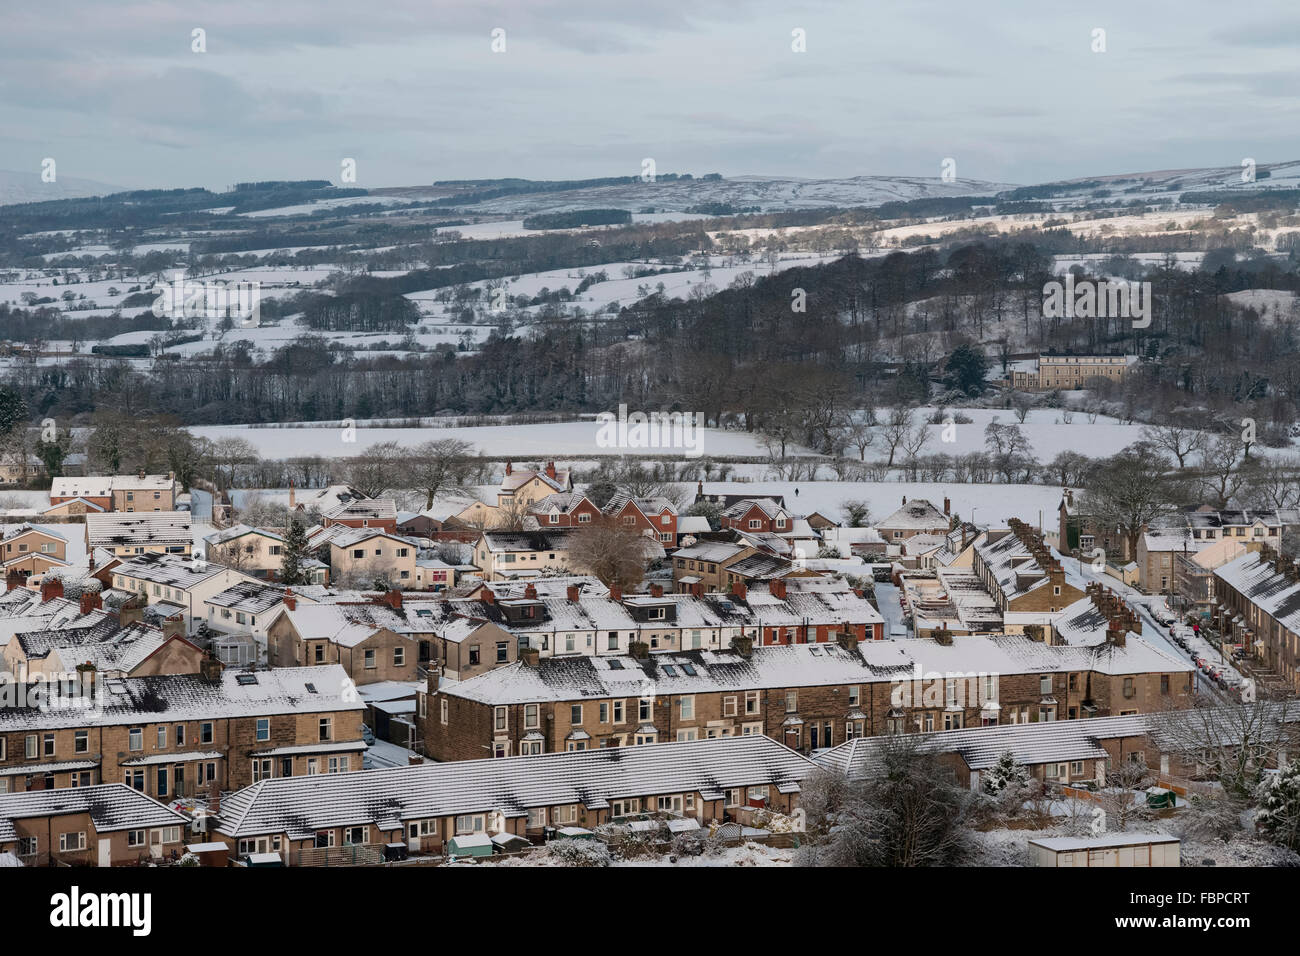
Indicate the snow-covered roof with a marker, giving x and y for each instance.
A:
(111, 807)
(299, 806)
(132, 700)
(916, 515)
(119, 528)
(1267, 588)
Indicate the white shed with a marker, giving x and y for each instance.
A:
(1112, 849)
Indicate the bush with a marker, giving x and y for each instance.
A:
(579, 852)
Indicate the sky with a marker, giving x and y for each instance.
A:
(413, 91)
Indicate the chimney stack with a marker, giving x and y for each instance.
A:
(91, 601)
(947, 506)
(51, 588)
(431, 680)
(214, 799)
(210, 669)
(615, 592)
(777, 588)
(530, 657)
(293, 501)
(488, 596)
(509, 469)
(656, 590)
(743, 645)
(290, 602)
(572, 592)
(530, 592)
(699, 488)
(392, 598)
(174, 626)
(550, 470)
(738, 590)
(846, 638)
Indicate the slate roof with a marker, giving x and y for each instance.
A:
(563, 678)
(111, 806)
(1262, 584)
(252, 597)
(549, 540)
(299, 806)
(119, 528)
(178, 697)
(171, 570)
(375, 509)
(917, 515)
(1037, 743)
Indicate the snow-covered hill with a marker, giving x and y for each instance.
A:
(18, 187)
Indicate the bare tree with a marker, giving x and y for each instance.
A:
(1221, 476)
(613, 553)
(1129, 491)
(895, 430)
(382, 465)
(440, 467)
(908, 812)
(1176, 435)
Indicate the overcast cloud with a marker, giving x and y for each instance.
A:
(413, 91)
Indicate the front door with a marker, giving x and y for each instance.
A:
(812, 736)
(105, 851)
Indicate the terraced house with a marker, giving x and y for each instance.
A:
(182, 734)
(1258, 606)
(429, 805)
(807, 696)
(106, 825)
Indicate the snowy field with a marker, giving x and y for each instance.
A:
(543, 441)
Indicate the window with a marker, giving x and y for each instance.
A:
(180, 735)
(72, 841)
(855, 694)
(530, 716)
(264, 728)
(1164, 683)
(27, 846)
(499, 718)
(687, 707)
(371, 664)
(469, 823)
(751, 702)
(135, 738)
(618, 712)
(729, 706)
(1045, 684)
(473, 655)
(134, 838)
(791, 701)
(48, 749)
(575, 714)
(442, 707)
(326, 728)
(162, 738)
(604, 712)
(399, 657)
(645, 709)
(205, 733)
(503, 652)
(338, 765)
(80, 742)
(320, 653)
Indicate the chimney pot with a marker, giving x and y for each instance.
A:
(51, 588)
(573, 591)
(615, 592)
(290, 601)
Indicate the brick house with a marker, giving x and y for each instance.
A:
(1020, 571)
(105, 825)
(179, 735)
(756, 514)
(364, 513)
(654, 517)
(125, 535)
(426, 806)
(564, 509)
(366, 555)
(915, 517)
(808, 696)
(353, 636)
(125, 493)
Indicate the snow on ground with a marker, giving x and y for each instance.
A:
(545, 441)
(748, 854)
